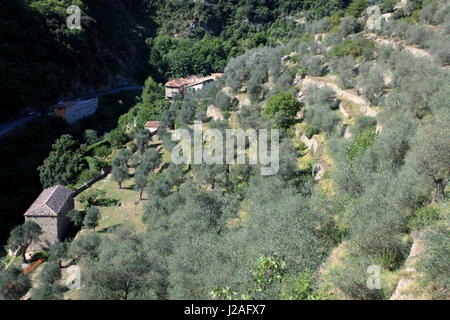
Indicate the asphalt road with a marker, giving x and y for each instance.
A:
(9, 127)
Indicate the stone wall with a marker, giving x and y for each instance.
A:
(63, 220)
(49, 235)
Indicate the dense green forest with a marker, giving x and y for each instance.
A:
(364, 161)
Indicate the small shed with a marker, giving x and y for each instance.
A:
(49, 211)
(152, 126)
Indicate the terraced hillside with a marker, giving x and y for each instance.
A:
(361, 193)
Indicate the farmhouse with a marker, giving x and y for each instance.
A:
(72, 111)
(179, 87)
(49, 211)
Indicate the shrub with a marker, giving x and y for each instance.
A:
(76, 217)
(322, 96)
(434, 260)
(356, 48)
(363, 123)
(427, 13)
(424, 217)
(90, 197)
(310, 131)
(344, 68)
(314, 65)
(361, 143)
(223, 101)
(320, 26)
(282, 109)
(373, 85)
(356, 8)
(349, 25)
(320, 116)
(441, 49)
(87, 175)
(102, 151)
(419, 35)
(351, 276)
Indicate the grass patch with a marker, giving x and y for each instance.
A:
(124, 211)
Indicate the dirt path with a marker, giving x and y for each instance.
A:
(399, 44)
(364, 105)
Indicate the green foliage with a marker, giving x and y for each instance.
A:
(349, 25)
(322, 118)
(361, 143)
(32, 75)
(91, 197)
(357, 7)
(310, 131)
(22, 236)
(91, 218)
(90, 136)
(48, 291)
(119, 166)
(87, 175)
(85, 248)
(424, 217)
(361, 47)
(140, 180)
(282, 109)
(151, 160)
(434, 260)
(102, 152)
(13, 283)
(76, 217)
(350, 277)
(50, 273)
(269, 271)
(142, 139)
(181, 57)
(117, 138)
(124, 270)
(64, 163)
(314, 65)
(301, 288)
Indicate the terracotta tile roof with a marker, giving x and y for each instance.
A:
(152, 124)
(50, 202)
(177, 83)
(191, 80)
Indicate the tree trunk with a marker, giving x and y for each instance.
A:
(24, 258)
(24, 252)
(140, 195)
(440, 190)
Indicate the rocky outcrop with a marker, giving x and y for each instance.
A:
(319, 170)
(312, 144)
(214, 113)
(403, 290)
(347, 133)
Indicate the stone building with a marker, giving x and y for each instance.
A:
(179, 87)
(49, 211)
